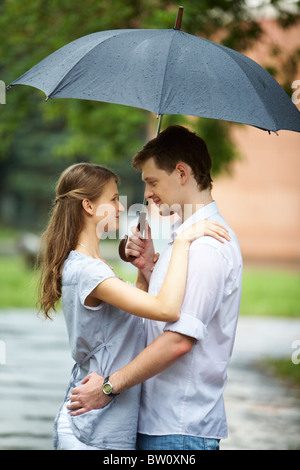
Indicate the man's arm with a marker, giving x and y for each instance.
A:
(158, 356)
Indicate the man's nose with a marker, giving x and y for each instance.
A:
(148, 193)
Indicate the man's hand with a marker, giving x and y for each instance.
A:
(88, 396)
(143, 250)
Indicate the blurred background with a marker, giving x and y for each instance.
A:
(256, 186)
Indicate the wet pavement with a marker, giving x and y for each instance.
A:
(262, 412)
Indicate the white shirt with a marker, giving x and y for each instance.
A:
(187, 398)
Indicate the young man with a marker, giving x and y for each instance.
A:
(184, 365)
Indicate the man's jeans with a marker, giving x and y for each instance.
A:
(175, 442)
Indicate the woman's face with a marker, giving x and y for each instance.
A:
(108, 208)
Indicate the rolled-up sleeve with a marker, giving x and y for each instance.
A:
(203, 294)
(188, 325)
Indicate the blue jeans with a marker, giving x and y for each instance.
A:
(175, 442)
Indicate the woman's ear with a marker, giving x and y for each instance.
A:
(87, 206)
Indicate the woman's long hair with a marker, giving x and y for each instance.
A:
(78, 182)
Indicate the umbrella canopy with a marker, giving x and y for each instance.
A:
(166, 72)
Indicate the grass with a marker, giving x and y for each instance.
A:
(271, 293)
(283, 369)
(17, 283)
(265, 292)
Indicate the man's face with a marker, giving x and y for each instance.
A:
(161, 187)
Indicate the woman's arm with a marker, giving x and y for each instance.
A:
(167, 304)
(163, 307)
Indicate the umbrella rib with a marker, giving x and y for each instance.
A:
(228, 52)
(56, 88)
(79, 60)
(165, 70)
(211, 95)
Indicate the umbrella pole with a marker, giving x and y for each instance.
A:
(160, 116)
(142, 215)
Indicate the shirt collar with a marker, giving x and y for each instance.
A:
(204, 213)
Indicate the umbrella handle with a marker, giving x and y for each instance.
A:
(179, 18)
(123, 242)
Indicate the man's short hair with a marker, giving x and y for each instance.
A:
(177, 144)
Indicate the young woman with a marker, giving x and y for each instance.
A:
(103, 313)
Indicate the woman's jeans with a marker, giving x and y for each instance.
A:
(175, 442)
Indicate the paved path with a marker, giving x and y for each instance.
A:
(262, 413)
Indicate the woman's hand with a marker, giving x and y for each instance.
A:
(204, 227)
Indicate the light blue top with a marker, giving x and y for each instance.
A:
(102, 339)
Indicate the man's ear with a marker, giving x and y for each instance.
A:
(87, 206)
(183, 172)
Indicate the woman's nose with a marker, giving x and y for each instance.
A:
(121, 207)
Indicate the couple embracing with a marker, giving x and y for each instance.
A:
(150, 358)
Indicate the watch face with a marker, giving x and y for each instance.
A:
(107, 388)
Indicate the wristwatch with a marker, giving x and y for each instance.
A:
(107, 388)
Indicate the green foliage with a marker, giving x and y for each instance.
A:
(220, 146)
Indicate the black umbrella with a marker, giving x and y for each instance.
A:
(166, 72)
